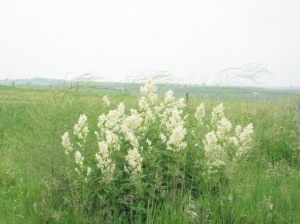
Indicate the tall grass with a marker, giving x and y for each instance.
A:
(36, 183)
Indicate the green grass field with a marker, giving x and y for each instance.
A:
(35, 186)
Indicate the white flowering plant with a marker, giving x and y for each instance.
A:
(159, 148)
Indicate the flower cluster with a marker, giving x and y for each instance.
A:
(104, 161)
(81, 129)
(147, 100)
(170, 113)
(176, 131)
(79, 161)
(109, 139)
(243, 139)
(217, 113)
(109, 127)
(220, 147)
(66, 143)
(130, 126)
(106, 101)
(115, 127)
(134, 160)
(215, 153)
(200, 113)
(148, 91)
(223, 127)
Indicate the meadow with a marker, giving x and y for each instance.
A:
(161, 181)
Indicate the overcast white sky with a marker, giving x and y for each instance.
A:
(193, 40)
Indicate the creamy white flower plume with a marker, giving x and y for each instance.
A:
(245, 140)
(216, 155)
(148, 91)
(66, 143)
(79, 159)
(81, 129)
(223, 127)
(134, 160)
(106, 101)
(169, 97)
(217, 113)
(104, 161)
(200, 112)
